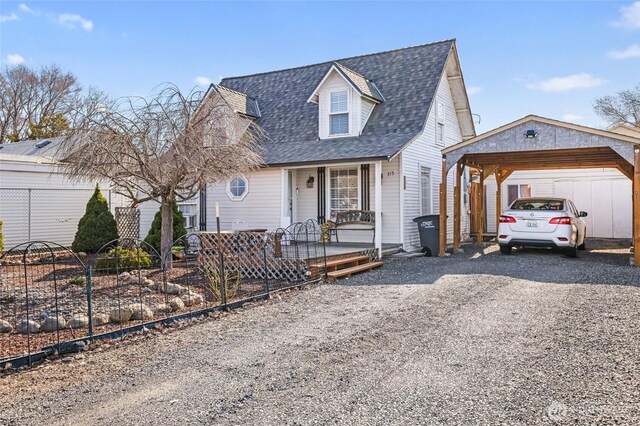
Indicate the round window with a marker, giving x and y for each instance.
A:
(237, 188)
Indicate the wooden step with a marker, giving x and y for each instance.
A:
(341, 273)
(347, 262)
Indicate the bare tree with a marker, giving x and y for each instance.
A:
(622, 108)
(35, 103)
(163, 148)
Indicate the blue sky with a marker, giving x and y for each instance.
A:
(546, 58)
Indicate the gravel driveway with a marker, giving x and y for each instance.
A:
(532, 338)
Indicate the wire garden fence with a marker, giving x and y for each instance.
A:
(53, 302)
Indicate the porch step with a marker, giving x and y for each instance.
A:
(347, 272)
(335, 264)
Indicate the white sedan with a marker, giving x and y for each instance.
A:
(543, 222)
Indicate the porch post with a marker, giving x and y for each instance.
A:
(378, 207)
(285, 220)
(636, 206)
(443, 209)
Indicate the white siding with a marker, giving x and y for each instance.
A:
(604, 193)
(261, 207)
(391, 220)
(366, 109)
(426, 151)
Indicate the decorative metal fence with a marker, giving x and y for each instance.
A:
(51, 301)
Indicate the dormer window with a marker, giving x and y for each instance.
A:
(339, 113)
(345, 101)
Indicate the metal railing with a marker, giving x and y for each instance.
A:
(52, 301)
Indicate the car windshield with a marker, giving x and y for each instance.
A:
(538, 205)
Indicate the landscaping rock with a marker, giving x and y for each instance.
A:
(170, 288)
(124, 277)
(121, 315)
(79, 321)
(176, 304)
(162, 308)
(5, 327)
(100, 319)
(25, 327)
(53, 323)
(192, 299)
(140, 311)
(149, 283)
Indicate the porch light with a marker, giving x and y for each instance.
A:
(310, 182)
(530, 134)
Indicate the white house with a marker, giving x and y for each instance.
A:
(360, 133)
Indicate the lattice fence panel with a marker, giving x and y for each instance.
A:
(128, 221)
(253, 255)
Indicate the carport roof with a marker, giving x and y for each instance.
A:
(556, 145)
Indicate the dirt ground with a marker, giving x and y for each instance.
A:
(479, 338)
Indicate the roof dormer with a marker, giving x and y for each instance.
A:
(239, 102)
(345, 100)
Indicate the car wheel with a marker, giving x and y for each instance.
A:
(583, 246)
(505, 249)
(572, 251)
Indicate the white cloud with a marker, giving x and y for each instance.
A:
(472, 90)
(570, 82)
(70, 21)
(629, 17)
(632, 51)
(203, 81)
(572, 117)
(15, 59)
(7, 18)
(23, 7)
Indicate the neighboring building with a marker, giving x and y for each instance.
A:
(39, 202)
(605, 194)
(360, 133)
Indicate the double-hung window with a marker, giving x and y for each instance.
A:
(343, 190)
(339, 113)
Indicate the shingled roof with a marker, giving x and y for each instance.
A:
(365, 86)
(408, 78)
(239, 102)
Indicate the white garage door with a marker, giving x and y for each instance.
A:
(608, 202)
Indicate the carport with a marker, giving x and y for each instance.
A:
(536, 143)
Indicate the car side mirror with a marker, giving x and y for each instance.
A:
(583, 214)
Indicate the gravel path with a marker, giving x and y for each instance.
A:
(534, 338)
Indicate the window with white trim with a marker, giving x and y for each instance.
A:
(339, 113)
(440, 119)
(425, 190)
(343, 190)
(237, 188)
(517, 191)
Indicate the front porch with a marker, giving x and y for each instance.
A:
(326, 192)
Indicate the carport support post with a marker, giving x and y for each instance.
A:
(378, 207)
(636, 206)
(457, 208)
(480, 234)
(443, 208)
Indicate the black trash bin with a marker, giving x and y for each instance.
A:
(429, 229)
